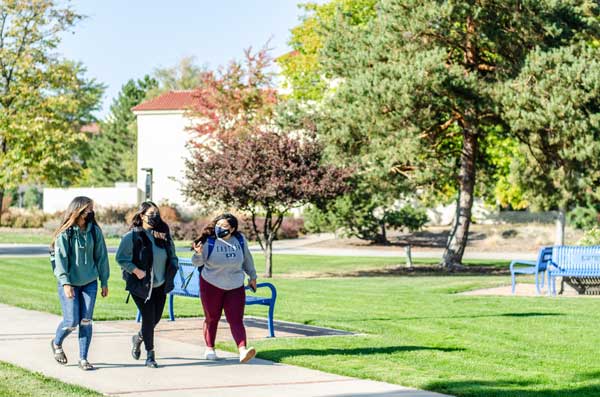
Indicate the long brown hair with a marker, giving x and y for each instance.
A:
(161, 232)
(73, 212)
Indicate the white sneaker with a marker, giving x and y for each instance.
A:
(210, 354)
(247, 354)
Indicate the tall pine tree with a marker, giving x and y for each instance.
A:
(113, 151)
(417, 89)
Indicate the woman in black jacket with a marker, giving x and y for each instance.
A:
(147, 256)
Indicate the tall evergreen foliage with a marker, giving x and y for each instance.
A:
(420, 90)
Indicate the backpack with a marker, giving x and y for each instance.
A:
(69, 232)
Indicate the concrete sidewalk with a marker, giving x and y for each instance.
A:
(25, 341)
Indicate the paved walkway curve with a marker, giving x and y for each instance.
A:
(25, 341)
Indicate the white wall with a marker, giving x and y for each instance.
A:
(162, 138)
(120, 195)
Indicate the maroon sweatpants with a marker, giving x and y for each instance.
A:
(214, 301)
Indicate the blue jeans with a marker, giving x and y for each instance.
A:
(77, 311)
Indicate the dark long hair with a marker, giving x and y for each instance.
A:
(161, 232)
(73, 212)
(209, 229)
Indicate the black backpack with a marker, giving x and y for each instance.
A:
(69, 232)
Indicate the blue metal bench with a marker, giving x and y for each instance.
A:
(573, 262)
(187, 283)
(536, 268)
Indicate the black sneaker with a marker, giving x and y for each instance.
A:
(136, 343)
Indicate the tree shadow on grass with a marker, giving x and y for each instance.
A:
(278, 354)
(508, 388)
(515, 315)
(421, 271)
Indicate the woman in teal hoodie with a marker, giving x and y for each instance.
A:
(79, 259)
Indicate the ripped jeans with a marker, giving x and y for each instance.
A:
(77, 311)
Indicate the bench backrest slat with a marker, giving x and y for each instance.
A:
(577, 259)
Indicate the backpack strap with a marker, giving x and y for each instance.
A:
(240, 240)
(211, 246)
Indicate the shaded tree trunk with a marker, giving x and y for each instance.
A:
(1, 207)
(457, 241)
(560, 226)
(266, 236)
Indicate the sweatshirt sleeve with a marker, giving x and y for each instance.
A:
(125, 253)
(173, 257)
(101, 257)
(197, 259)
(61, 259)
(248, 264)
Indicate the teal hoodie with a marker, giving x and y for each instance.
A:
(87, 261)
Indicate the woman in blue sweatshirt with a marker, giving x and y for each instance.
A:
(79, 259)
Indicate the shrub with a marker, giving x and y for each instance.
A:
(583, 217)
(290, 227)
(114, 229)
(317, 221)
(169, 213)
(187, 230)
(23, 218)
(407, 217)
(590, 237)
(115, 215)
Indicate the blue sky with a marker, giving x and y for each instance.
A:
(127, 39)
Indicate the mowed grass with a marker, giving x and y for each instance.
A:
(44, 237)
(413, 331)
(18, 382)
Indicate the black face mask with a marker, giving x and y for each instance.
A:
(221, 232)
(90, 217)
(153, 220)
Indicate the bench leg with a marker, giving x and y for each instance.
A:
(512, 277)
(537, 283)
(138, 317)
(171, 312)
(271, 327)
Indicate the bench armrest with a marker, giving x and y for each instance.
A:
(522, 263)
(266, 285)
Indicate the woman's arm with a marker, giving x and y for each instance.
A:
(125, 253)
(101, 257)
(61, 259)
(248, 264)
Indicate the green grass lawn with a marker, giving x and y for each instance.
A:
(413, 331)
(18, 382)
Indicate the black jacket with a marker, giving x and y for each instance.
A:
(142, 258)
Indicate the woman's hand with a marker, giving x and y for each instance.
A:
(198, 247)
(69, 292)
(139, 273)
(252, 284)
(104, 292)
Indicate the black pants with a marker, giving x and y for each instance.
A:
(151, 311)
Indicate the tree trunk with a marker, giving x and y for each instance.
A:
(458, 240)
(1, 200)
(560, 226)
(269, 258)
(383, 237)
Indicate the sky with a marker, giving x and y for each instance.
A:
(124, 39)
